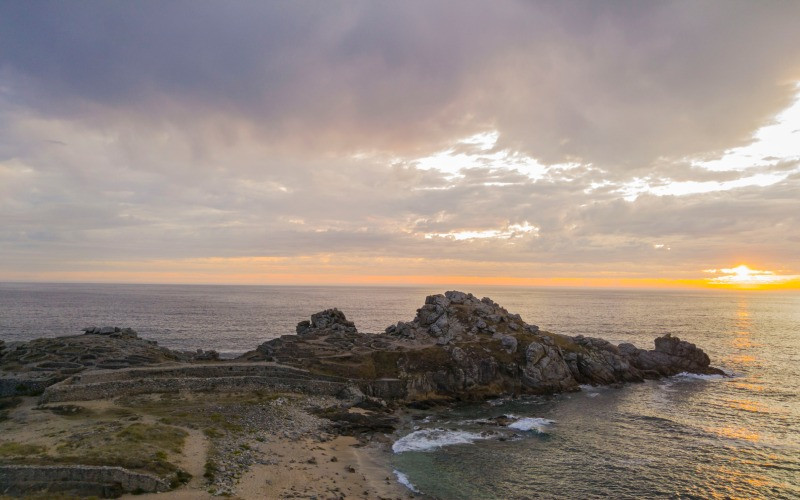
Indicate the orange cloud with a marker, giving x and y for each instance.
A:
(334, 269)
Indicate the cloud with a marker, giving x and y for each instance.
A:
(201, 130)
(617, 84)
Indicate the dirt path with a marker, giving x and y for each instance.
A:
(308, 468)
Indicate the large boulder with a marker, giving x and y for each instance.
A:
(456, 316)
(671, 356)
(327, 321)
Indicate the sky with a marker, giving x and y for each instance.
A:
(575, 143)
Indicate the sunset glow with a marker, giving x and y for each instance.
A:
(743, 277)
(523, 144)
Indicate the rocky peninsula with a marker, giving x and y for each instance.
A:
(107, 413)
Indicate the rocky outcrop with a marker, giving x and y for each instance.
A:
(463, 347)
(353, 424)
(328, 321)
(111, 331)
(457, 346)
(671, 356)
(456, 316)
(29, 367)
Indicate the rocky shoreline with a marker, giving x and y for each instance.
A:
(288, 405)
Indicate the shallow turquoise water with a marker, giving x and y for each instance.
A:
(677, 438)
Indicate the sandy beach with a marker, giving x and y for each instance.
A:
(235, 445)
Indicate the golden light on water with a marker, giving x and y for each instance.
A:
(748, 386)
(733, 432)
(747, 405)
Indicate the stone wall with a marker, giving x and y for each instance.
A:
(84, 480)
(24, 385)
(210, 370)
(210, 378)
(106, 390)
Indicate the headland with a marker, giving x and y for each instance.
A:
(305, 415)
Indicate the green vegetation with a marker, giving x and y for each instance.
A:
(158, 436)
(181, 477)
(429, 359)
(13, 449)
(564, 343)
(136, 446)
(194, 412)
(212, 433)
(210, 470)
(213, 425)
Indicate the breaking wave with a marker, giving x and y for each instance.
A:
(403, 479)
(531, 424)
(431, 439)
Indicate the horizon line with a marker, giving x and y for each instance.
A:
(653, 284)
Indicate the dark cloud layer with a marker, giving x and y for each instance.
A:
(611, 83)
(153, 130)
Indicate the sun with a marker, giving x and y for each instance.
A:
(742, 276)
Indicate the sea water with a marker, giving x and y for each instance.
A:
(682, 437)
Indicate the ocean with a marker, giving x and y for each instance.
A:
(682, 437)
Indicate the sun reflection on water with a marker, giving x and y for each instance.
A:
(747, 405)
(733, 432)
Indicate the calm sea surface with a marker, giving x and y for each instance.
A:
(682, 437)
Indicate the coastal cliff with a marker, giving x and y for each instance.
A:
(141, 417)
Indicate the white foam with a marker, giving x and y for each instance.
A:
(590, 390)
(403, 479)
(431, 439)
(498, 401)
(531, 424)
(697, 376)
